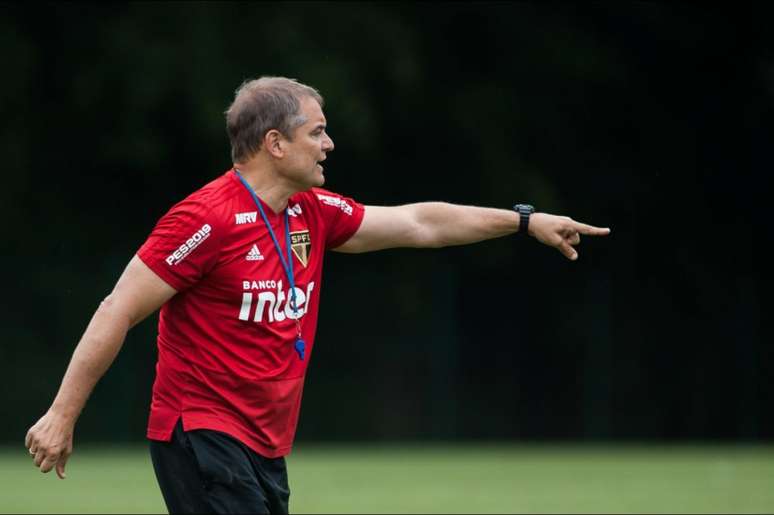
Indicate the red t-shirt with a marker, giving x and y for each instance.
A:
(227, 359)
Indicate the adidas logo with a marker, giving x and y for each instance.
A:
(254, 254)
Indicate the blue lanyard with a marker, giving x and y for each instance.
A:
(286, 265)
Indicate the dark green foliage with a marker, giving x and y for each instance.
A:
(651, 119)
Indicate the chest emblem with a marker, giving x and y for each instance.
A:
(301, 243)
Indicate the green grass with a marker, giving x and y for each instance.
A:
(433, 479)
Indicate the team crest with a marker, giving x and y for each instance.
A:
(301, 243)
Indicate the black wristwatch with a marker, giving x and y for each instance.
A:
(524, 211)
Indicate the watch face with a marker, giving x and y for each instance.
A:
(525, 207)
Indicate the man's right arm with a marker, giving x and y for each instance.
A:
(138, 293)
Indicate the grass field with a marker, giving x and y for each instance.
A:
(433, 479)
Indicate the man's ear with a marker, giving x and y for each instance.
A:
(273, 143)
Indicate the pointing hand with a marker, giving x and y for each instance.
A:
(561, 232)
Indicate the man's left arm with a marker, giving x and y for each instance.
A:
(439, 224)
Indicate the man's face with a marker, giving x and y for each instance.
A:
(307, 149)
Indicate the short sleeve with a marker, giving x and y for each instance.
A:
(342, 216)
(184, 245)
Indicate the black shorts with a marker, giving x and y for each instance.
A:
(205, 471)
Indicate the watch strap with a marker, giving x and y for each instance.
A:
(524, 210)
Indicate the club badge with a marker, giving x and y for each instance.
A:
(301, 243)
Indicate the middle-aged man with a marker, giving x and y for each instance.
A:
(236, 269)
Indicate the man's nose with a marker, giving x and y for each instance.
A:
(328, 144)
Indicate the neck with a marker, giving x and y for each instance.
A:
(270, 190)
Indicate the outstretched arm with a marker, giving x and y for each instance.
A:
(137, 294)
(439, 224)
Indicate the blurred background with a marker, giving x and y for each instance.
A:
(655, 120)
(651, 118)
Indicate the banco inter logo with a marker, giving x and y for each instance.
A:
(190, 245)
(269, 301)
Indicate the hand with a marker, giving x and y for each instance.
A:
(561, 232)
(50, 442)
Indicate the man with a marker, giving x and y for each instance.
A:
(236, 268)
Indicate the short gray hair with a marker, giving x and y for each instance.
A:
(261, 105)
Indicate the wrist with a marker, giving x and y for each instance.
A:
(66, 414)
(524, 211)
(534, 222)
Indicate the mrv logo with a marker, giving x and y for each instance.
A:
(246, 218)
(190, 244)
(272, 304)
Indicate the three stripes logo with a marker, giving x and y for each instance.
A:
(254, 254)
(300, 244)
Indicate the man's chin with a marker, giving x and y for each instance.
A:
(317, 182)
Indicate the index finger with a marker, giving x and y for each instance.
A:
(591, 230)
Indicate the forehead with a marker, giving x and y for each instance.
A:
(312, 111)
